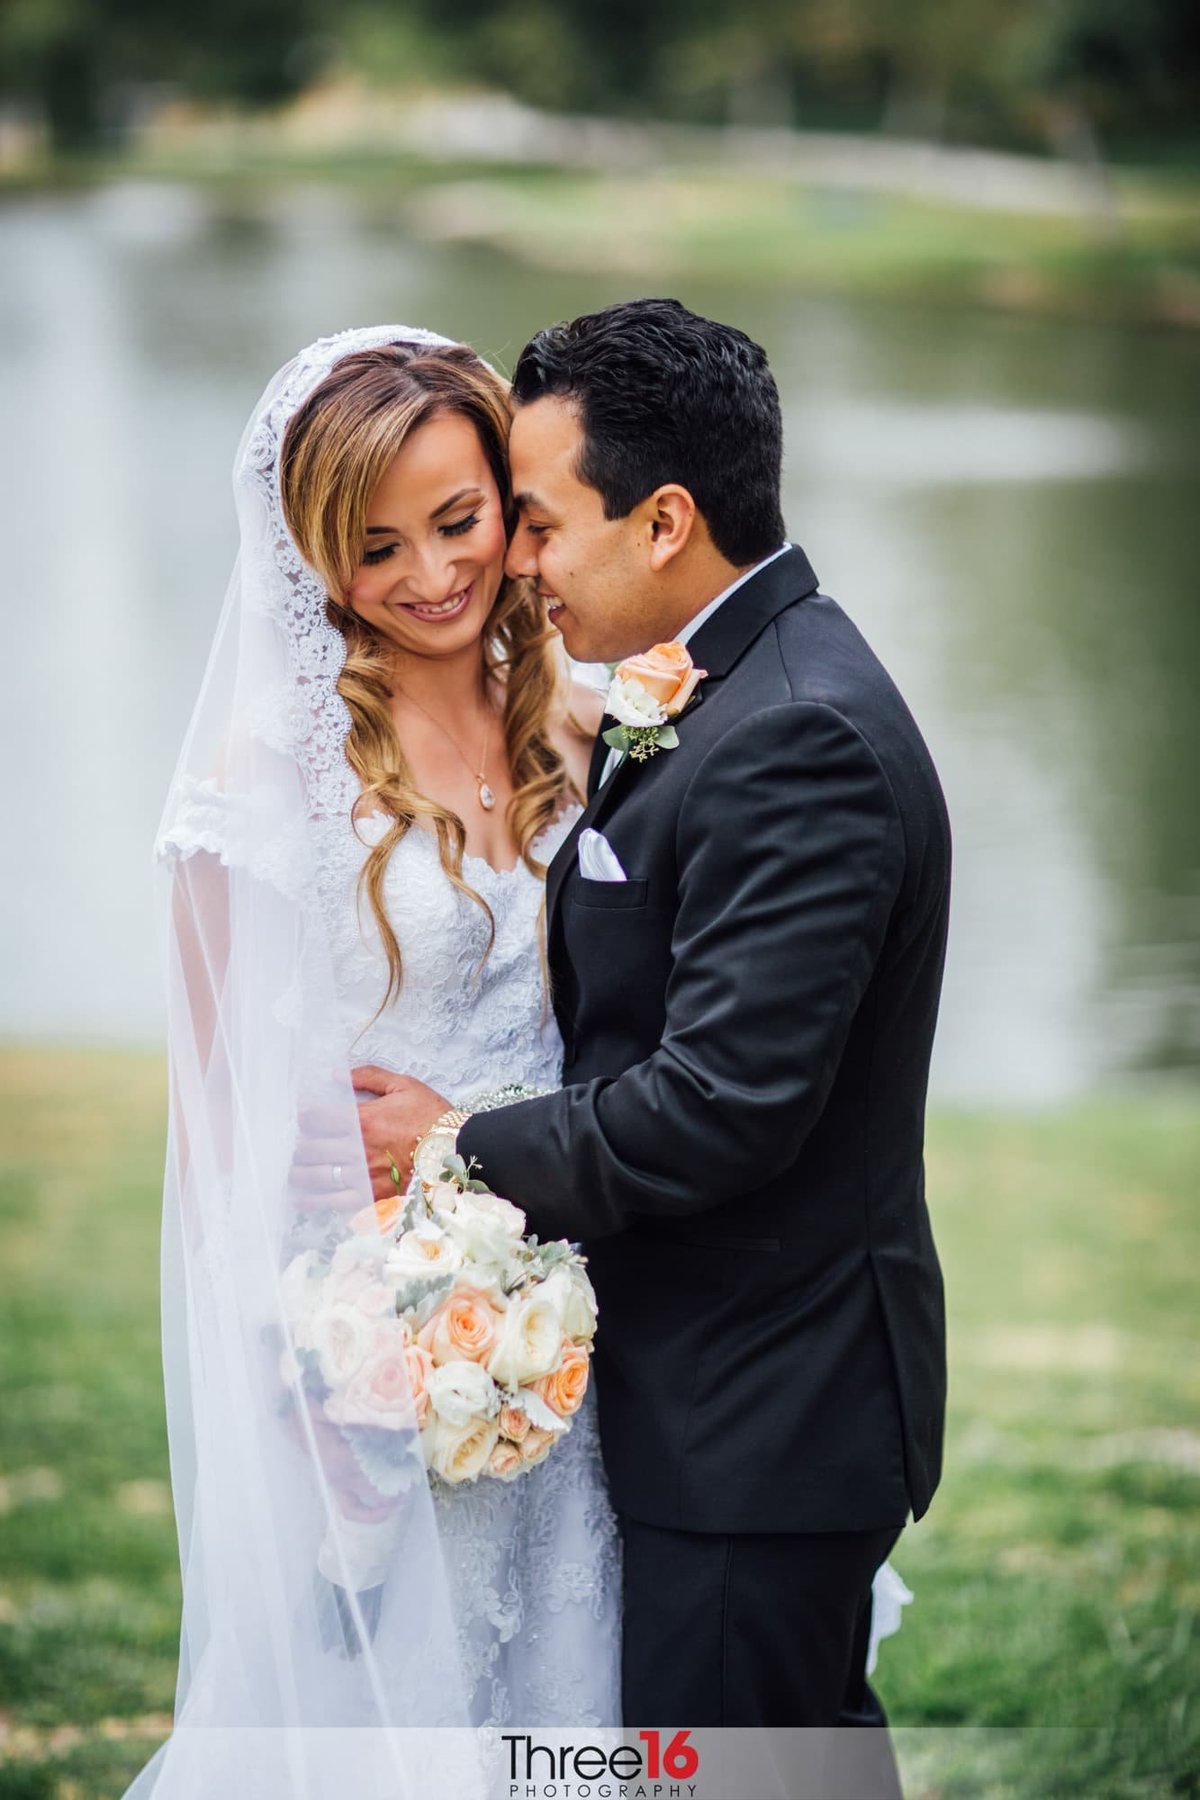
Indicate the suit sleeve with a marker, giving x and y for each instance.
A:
(790, 856)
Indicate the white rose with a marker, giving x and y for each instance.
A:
(358, 1255)
(631, 704)
(340, 1336)
(497, 1280)
(425, 1250)
(486, 1228)
(570, 1293)
(460, 1452)
(444, 1196)
(461, 1391)
(530, 1342)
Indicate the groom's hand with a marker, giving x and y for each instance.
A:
(393, 1124)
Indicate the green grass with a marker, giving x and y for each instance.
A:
(1054, 1648)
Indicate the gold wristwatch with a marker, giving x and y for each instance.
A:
(430, 1152)
(441, 1140)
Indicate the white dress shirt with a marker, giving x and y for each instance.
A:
(613, 759)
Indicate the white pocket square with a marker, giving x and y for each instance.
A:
(598, 860)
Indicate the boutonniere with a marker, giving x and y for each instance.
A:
(646, 693)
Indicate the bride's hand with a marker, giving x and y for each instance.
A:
(393, 1124)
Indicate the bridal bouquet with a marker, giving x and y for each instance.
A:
(451, 1318)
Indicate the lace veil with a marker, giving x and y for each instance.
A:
(304, 1670)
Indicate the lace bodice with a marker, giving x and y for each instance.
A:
(467, 1019)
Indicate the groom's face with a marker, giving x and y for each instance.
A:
(593, 573)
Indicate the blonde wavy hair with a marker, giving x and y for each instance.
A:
(336, 448)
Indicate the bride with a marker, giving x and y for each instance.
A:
(386, 752)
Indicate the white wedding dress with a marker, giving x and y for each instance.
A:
(533, 1565)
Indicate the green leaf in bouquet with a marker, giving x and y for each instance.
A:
(391, 1460)
(617, 738)
(556, 1251)
(419, 1294)
(413, 1213)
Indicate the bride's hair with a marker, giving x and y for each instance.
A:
(336, 448)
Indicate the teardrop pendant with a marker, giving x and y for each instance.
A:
(486, 797)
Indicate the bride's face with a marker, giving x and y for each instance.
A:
(434, 556)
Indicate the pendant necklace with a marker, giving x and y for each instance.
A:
(487, 798)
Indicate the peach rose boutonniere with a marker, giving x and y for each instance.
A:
(647, 692)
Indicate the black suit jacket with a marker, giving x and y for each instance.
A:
(748, 1023)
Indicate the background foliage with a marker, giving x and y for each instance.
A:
(1029, 72)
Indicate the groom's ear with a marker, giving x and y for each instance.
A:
(671, 513)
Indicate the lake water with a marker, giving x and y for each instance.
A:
(1007, 507)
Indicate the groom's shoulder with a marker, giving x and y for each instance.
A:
(826, 661)
(814, 655)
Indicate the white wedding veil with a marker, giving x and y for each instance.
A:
(311, 1665)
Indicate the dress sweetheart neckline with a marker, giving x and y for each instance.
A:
(567, 817)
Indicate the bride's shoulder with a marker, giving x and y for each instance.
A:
(583, 710)
(574, 725)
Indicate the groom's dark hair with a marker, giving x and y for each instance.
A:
(665, 395)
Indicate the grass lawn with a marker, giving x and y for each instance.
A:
(1053, 1650)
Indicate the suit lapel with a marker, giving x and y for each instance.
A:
(725, 637)
(716, 647)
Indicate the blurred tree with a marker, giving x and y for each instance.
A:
(988, 70)
(1119, 62)
(71, 57)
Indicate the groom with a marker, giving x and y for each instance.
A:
(746, 968)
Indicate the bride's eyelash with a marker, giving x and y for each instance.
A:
(459, 527)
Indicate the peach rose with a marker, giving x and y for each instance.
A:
(535, 1447)
(514, 1422)
(420, 1368)
(667, 674)
(564, 1387)
(505, 1460)
(379, 1217)
(463, 1329)
(378, 1394)
(389, 1334)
